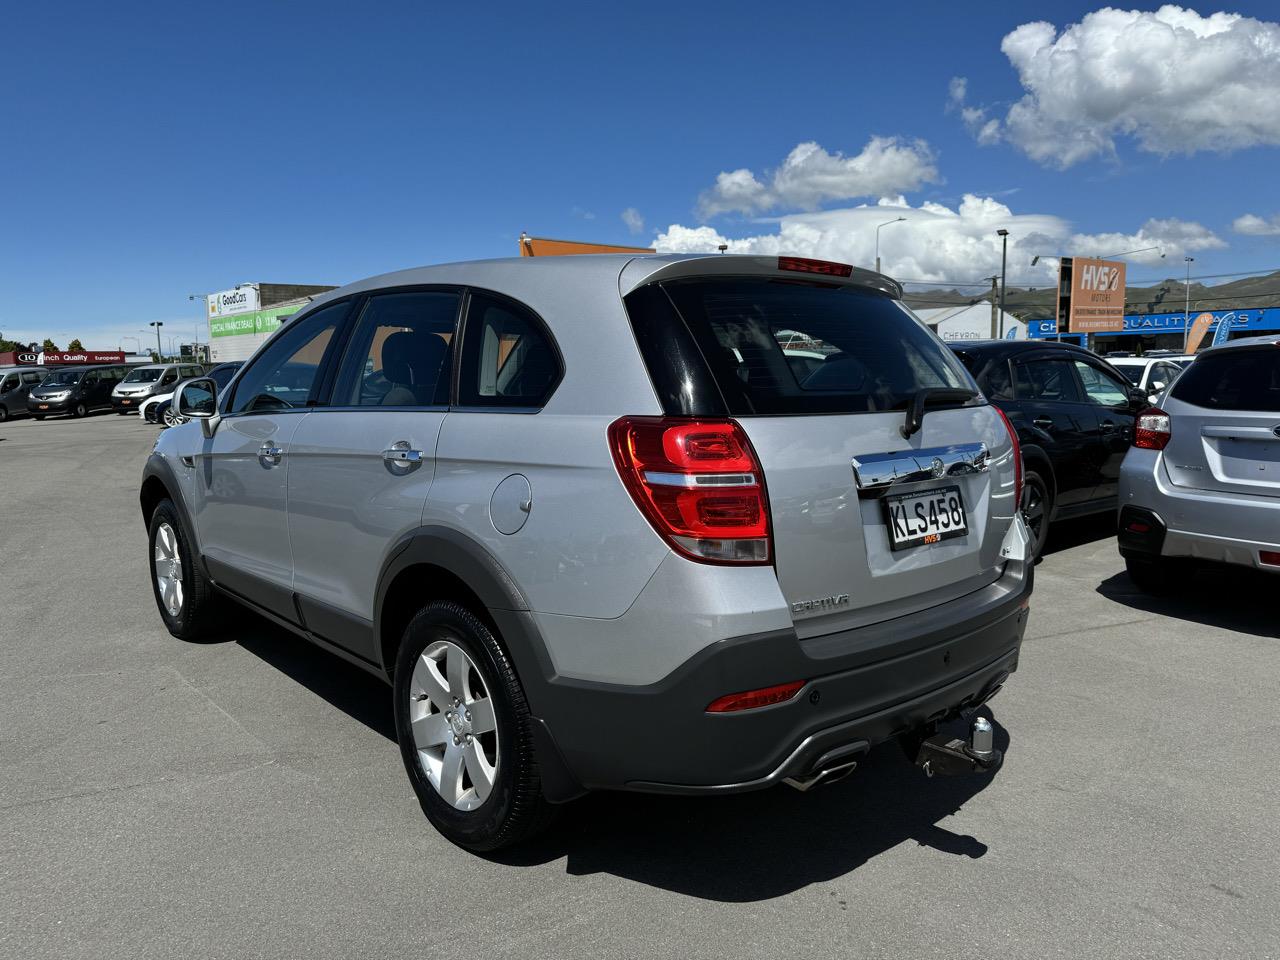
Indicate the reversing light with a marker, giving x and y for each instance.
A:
(805, 265)
(751, 699)
(1152, 429)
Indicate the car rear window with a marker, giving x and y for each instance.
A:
(777, 346)
(1234, 379)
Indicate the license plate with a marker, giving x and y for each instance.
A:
(929, 516)
(125, 403)
(42, 406)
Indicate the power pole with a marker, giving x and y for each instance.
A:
(995, 308)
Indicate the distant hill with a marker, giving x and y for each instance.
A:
(1167, 296)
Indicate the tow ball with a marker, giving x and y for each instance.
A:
(947, 755)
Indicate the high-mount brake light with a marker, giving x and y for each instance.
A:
(752, 699)
(1017, 457)
(698, 483)
(827, 268)
(1152, 429)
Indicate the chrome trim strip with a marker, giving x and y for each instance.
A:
(876, 470)
(694, 480)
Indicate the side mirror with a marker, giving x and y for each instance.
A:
(1157, 386)
(1138, 399)
(198, 400)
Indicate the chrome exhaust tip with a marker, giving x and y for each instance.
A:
(829, 775)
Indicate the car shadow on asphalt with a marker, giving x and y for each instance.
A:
(1065, 534)
(1230, 597)
(758, 846)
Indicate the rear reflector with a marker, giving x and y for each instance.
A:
(1137, 526)
(1151, 429)
(826, 267)
(1270, 557)
(751, 699)
(699, 484)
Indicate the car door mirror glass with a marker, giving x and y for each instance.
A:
(198, 399)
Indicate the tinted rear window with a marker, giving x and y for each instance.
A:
(780, 347)
(1235, 379)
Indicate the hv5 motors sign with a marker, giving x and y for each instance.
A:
(1090, 295)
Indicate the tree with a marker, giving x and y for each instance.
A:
(49, 346)
(8, 345)
(75, 346)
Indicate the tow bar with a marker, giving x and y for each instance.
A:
(946, 755)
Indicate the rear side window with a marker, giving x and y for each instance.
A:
(507, 358)
(781, 346)
(1235, 379)
(1053, 381)
(400, 353)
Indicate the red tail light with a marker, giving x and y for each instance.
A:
(826, 267)
(1151, 429)
(1017, 458)
(698, 482)
(1270, 557)
(764, 697)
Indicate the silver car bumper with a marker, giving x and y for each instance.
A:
(1203, 524)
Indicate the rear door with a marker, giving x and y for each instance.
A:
(1050, 408)
(1225, 432)
(849, 495)
(361, 465)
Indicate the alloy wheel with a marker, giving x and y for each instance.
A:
(455, 732)
(167, 565)
(1033, 510)
(172, 418)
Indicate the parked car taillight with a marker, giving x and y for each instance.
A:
(699, 483)
(1151, 429)
(1017, 457)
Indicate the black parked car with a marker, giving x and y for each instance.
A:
(1074, 415)
(75, 390)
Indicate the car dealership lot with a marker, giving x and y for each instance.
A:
(246, 797)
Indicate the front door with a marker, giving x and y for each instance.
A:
(361, 466)
(1109, 397)
(240, 472)
(1050, 405)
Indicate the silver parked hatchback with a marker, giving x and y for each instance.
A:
(679, 524)
(1202, 480)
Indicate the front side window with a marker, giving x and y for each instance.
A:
(507, 359)
(8, 383)
(31, 378)
(169, 377)
(785, 347)
(222, 375)
(1046, 380)
(284, 374)
(1100, 387)
(400, 353)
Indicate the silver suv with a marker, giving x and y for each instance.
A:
(677, 524)
(1202, 480)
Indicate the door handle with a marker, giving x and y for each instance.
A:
(1108, 426)
(1044, 423)
(269, 453)
(400, 454)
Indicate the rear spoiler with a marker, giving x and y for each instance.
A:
(639, 271)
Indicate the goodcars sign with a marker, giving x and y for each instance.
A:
(242, 299)
(1091, 295)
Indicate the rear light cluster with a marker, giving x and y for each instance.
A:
(827, 268)
(699, 483)
(751, 699)
(1151, 429)
(1017, 457)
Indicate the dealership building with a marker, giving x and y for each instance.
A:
(973, 321)
(1163, 331)
(241, 318)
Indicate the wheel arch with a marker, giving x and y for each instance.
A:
(1035, 458)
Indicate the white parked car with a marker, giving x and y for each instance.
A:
(1152, 374)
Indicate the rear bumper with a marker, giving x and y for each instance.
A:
(1197, 524)
(862, 687)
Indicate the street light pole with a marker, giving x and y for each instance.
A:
(993, 280)
(1004, 261)
(885, 224)
(159, 350)
(1186, 307)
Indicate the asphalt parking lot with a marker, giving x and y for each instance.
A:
(246, 798)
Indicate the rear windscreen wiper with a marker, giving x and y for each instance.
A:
(921, 398)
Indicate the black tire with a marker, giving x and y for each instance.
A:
(4, 414)
(202, 610)
(122, 413)
(80, 411)
(515, 810)
(1159, 576)
(39, 416)
(1037, 508)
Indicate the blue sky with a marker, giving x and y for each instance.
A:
(160, 150)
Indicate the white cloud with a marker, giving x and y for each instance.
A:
(1255, 226)
(632, 218)
(810, 176)
(940, 243)
(1174, 81)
